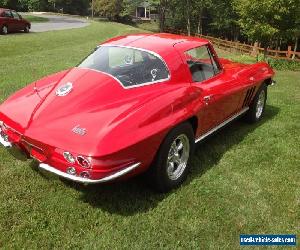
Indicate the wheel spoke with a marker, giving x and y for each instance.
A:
(180, 146)
(170, 168)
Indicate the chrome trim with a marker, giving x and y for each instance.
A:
(116, 175)
(3, 142)
(130, 47)
(202, 137)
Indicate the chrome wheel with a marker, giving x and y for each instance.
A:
(178, 157)
(260, 104)
(4, 30)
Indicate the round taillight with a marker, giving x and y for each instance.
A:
(83, 162)
(71, 171)
(69, 157)
(85, 175)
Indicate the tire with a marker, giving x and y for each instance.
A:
(171, 164)
(27, 29)
(258, 105)
(4, 30)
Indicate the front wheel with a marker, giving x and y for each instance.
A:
(27, 29)
(170, 167)
(257, 107)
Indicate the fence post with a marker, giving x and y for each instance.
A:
(255, 49)
(289, 53)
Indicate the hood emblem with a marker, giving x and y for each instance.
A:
(65, 89)
(78, 130)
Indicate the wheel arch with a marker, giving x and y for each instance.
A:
(194, 122)
(268, 81)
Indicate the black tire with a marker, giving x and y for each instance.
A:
(158, 174)
(257, 107)
(4, 30)
(27, 29)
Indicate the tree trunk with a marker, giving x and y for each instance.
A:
(295, 48)
(162, 20)
(162, 14)
(199, 27)
(188, 25)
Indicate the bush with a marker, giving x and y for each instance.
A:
(280, 64)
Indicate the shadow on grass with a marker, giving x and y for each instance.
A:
(135, 196)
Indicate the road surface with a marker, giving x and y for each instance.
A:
(58, 23)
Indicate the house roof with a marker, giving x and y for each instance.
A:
(144, 4)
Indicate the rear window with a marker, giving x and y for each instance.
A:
(132, 67)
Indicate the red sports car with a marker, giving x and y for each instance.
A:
(137, 103)
(11, 21)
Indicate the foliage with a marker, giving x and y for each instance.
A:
(108, 8)
(283, 64)
(68, 6)
(268, 20)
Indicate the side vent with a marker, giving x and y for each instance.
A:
(249, 96)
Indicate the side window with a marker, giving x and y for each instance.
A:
(201, 63)
(15, 15)
(7, 14)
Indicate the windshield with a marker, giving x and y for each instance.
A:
(132, 67)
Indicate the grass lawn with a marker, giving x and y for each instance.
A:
(151, 26)
(36, 19)
(244, 179)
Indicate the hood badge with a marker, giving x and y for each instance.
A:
(65, 89)
(78, 130)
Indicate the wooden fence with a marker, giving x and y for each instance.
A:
(252, 50)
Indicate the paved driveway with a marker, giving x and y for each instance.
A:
(58, 23)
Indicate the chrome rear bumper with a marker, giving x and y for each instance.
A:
(74, 178)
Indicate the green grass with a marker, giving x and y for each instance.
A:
(151, 26)
(244, 179)
(36, 19)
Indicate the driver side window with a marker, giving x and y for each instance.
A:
(201, 63)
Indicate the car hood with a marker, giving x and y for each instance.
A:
(96, 110)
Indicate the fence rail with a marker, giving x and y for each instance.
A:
(252, 50)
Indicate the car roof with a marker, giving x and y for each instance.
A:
(160, 43)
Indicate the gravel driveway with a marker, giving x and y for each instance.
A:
(58, 23)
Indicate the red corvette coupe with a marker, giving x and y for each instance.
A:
(10, 21)
(137, 103)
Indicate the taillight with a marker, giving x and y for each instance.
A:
(69, 157)
(83, 162)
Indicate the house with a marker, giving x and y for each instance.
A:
(144, 11)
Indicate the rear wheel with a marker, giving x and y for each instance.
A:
(4, 30)
(171, 165)
(257, 107)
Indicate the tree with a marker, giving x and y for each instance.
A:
(163, 8)
(198, 8)
(108, 8)
(271, 22)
